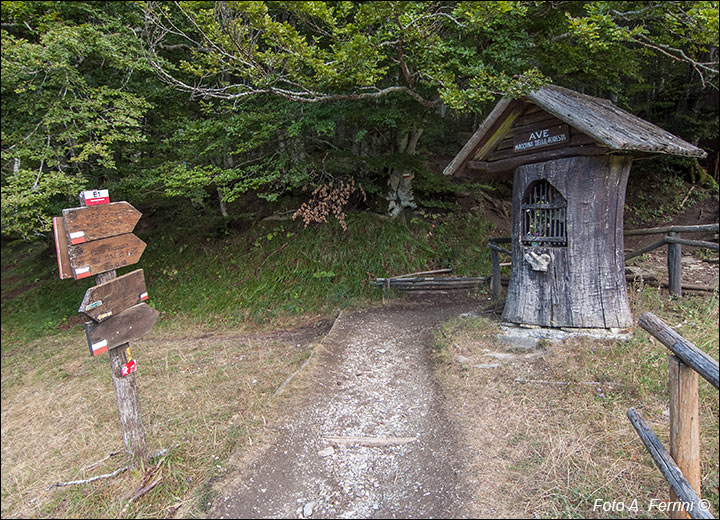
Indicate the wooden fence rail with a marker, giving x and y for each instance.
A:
(682, 348)
(670, 470)
(681, 468)
(673, 242)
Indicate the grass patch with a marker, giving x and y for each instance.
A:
(553, 450)
(266, 275)
(207, 396)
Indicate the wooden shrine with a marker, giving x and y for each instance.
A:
(571, 155)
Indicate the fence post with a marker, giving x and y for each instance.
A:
(495, 281)
(684, 425)
(674, 262)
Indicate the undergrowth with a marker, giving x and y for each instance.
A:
(207, 275)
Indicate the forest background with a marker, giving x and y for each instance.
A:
(239, 110)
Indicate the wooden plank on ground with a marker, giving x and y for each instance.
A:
(88, 223)
(129, 325)
(106, 254)
(373, 442)
(113, 297)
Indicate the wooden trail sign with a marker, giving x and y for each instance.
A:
(61, 248)
(110, 298)
(129, 325)
(106, 254)
(97, 240)
(88, 223)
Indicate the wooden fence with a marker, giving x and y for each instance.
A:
(680, 467)
(672, 239)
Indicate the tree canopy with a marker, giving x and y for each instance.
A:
(224, 102)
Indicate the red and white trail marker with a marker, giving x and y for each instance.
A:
(128, 368)
(95, 197)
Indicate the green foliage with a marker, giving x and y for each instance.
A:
(674, 189)
(263, 274)
(240, 101)
(65, 107)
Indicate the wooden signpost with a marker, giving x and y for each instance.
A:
(84, 224)
(129, 325)
(61, 248)
(99, 256)
(110, 298)
(95, 239)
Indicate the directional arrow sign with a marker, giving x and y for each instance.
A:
(113, 297)
(95, 222)
(129, 325)
(106, 254)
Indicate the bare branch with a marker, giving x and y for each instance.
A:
(276, 82)
(679, 55)
(88, 480)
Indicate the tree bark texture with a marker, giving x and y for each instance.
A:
(584, 285)
(400, 196)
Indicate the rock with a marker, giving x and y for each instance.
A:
(326, 452)
(500, 355)
(487, 365)
(308, 509)
(461, 359)
(469, 315)
(519, 341)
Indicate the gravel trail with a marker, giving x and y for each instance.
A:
(372, 441)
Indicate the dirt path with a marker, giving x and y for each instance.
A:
(373, 384)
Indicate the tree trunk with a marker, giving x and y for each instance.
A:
(400, 196)
(229, 163)
(583, 284)
(223, 206)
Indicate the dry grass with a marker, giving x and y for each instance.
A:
(552, 450)
(208, 397)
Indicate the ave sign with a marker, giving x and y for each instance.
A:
(541, 138)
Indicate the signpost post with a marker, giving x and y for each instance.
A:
(126, 395)
(95, 239)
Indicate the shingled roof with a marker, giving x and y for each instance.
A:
(598, 118)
